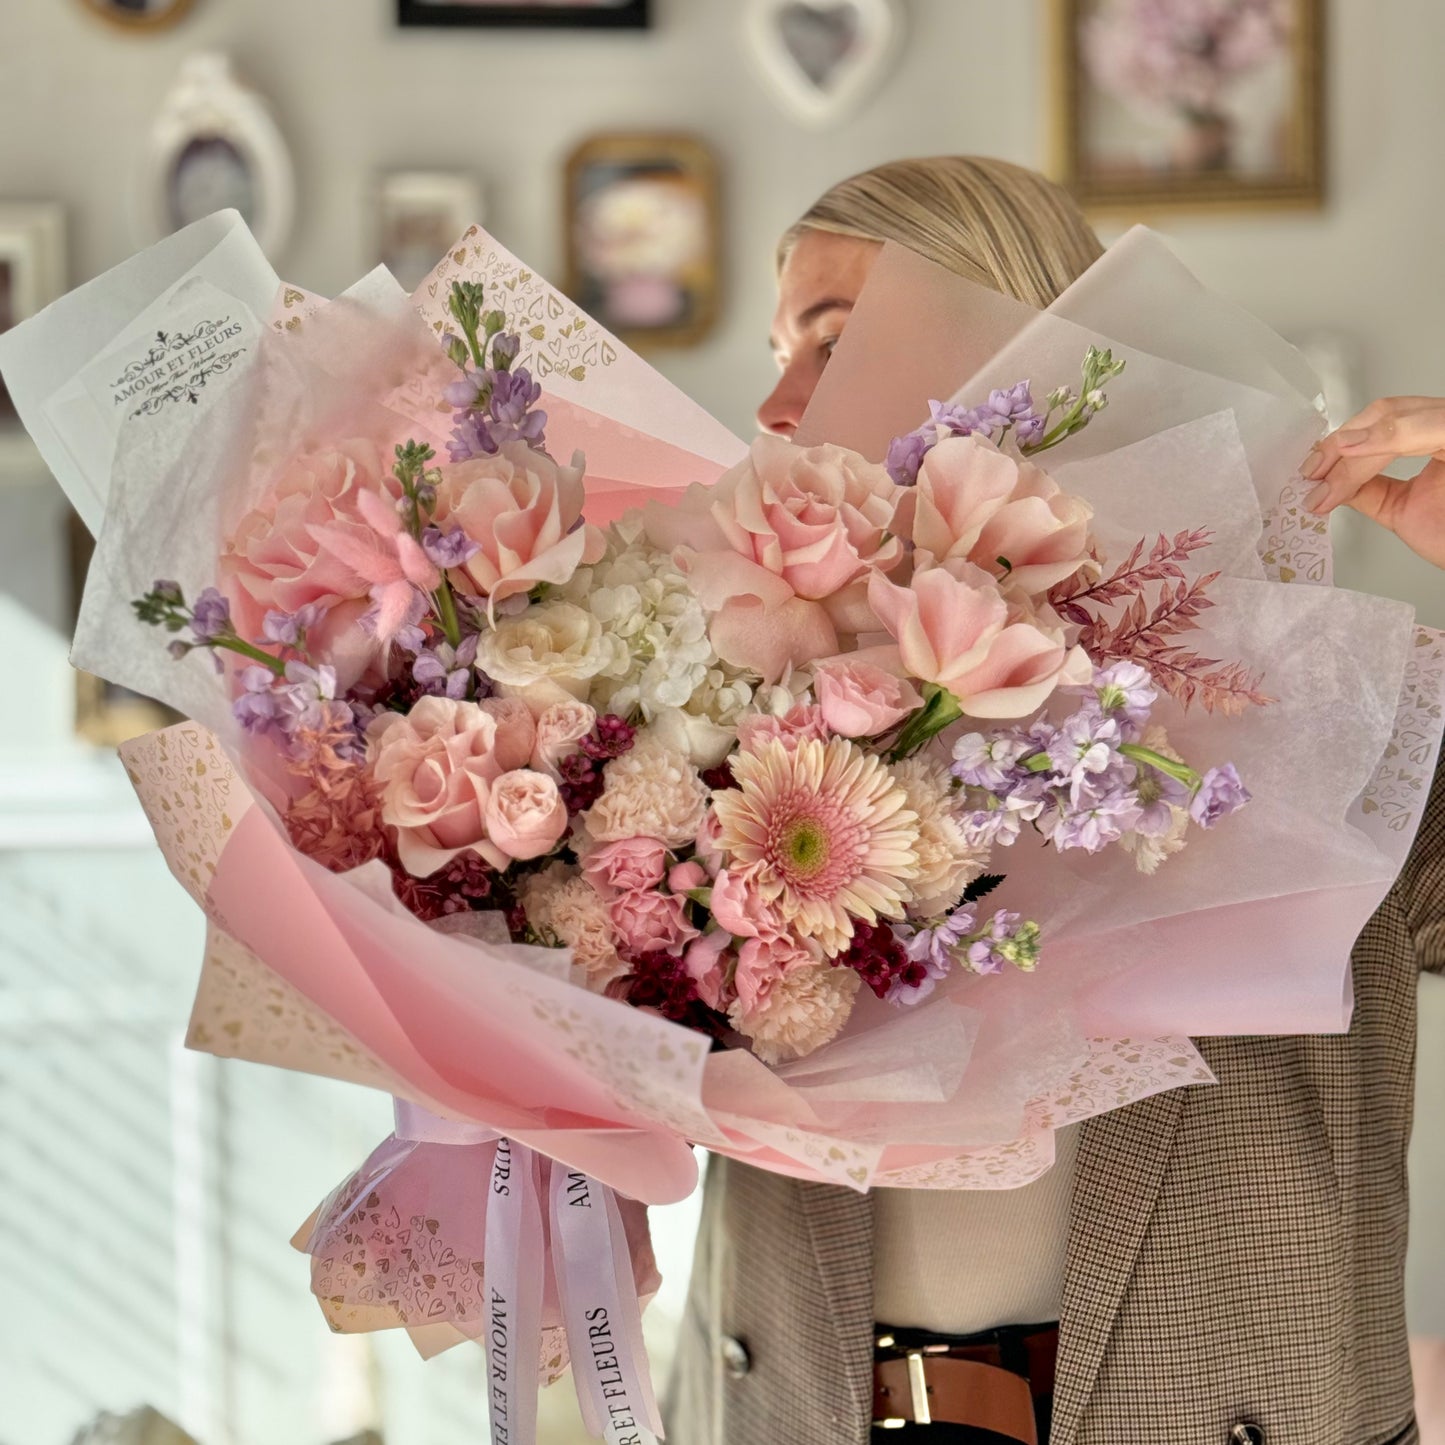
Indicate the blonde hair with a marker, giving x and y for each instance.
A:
(990, 221)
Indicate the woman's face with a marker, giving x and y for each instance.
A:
(819, 283)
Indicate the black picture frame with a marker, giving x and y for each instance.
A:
(631, 15)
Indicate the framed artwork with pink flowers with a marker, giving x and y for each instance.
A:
(1165, 105)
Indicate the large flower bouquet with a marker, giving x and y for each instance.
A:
(846, 805)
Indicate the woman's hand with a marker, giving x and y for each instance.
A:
(1348, 466)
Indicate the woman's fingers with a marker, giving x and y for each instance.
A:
(1341, 483)
(1396, 426)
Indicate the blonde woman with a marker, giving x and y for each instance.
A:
(1207, 1267)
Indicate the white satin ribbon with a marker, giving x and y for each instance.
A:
(601, 1311)
(515, 1261)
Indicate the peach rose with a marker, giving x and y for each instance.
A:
(525, 513)
(560, 728)
(436, 767)
(859, 699)
(274, 561)
(975, 503)
(780, 548)
(955, 628)
(525, 816)
(646, 921)
(627, 865)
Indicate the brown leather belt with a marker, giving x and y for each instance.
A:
(965, 1384)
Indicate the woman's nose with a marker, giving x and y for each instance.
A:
(784, 408)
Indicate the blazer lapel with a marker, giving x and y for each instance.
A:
(1121, 1161)
(840, 1226)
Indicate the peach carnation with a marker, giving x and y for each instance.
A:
(799, 1010)
(652, 792)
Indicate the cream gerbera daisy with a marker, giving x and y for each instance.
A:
(825, 834)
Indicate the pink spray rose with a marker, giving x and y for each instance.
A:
(954, 627)
(274, 560)
(706, 963)
(627, 865)
(523, 510)
(684, 877)
(804, 720)
(437, 766)
(646, 921)
(738, 907)
(860, 699)
(780, 549)
(525, 816)
(976, 503)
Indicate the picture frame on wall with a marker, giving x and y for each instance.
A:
(32, 274)
(1205, 105)
(642, 225)
(418, 215)
(214, 145)
(140, 14)
(527, 14)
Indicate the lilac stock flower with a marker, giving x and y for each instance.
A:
(445, 669)
(256, 709)
(289, 628)
(985, 762)
(168, 591)
(1030, 431)
(514, 393)
(1126, 688)
(1219, 794)
(471, 437)
(505, 350)
(959, 421)
(906, 454)
(1083, 749)
(933, 947)
(211, 616)
(178, 649)
(1102, 819)
(466, 392)
(448, 549)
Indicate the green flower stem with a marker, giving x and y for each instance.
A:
(446, 609)
(1182, 772)
(940, 708)
(235, 644)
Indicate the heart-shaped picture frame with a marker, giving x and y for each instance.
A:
(822, 58)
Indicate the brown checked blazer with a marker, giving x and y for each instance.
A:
(1235, 1254)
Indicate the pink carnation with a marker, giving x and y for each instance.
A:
(628, 865)
(646, 921)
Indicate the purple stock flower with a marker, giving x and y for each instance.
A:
(471, 437)
(448, 549)
(1014, 405)
(1083, 749)
(447, 669)
(168, 591)
(906, 454)
(985, 762)
(505, 350)
(211, 616)
(1220, 793)
(288, 628)
(1128, 689)
(951, 417)
(466, 392)
(256, 709)
(1102, 819)
(1030, 431)
(514, 393)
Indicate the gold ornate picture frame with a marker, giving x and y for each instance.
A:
(643, 236)
(1225, 116)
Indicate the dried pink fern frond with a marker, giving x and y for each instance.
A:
(1149, 635)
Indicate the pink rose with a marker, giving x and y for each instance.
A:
(706, 964)
(522, 509)
(736, 905)
(859, 699)
(627, 865)
(761, 962)
(525, 816)
(560, 727)
(975, 503)
(274, 561)
(780, 548)
(955, 628)
(516, 732)
(707, 850)
(684, 877)
(646, 921)
(804, 720)
(437, 766)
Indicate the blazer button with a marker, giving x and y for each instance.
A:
(1246, 1432)
(736, 1360)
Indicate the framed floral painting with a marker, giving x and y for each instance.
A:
(642, 236)
(1164, 104)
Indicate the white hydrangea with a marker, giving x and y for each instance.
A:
(640, 598)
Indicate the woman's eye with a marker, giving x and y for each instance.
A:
(828, 343)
